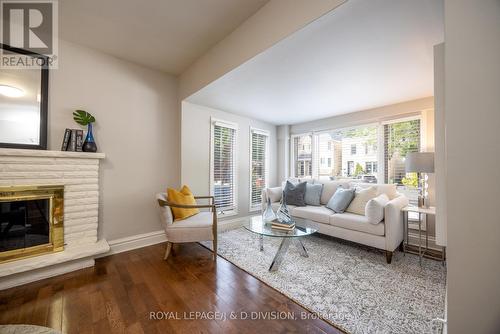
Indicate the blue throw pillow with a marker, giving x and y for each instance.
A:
(313, 194)
(340, 200)
(294, 194)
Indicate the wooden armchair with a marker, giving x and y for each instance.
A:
(200, 227)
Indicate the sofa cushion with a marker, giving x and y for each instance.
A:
(352, 221)
(361, 197)
(375, 207)
(329, 188)
(313, 194)
(294, 194)
(319, 214)
(340, 200)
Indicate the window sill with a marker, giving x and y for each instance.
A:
(254, 209)
(227, 214)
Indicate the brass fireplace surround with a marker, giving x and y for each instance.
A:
(55, 194)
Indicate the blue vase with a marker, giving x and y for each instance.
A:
(89, 145)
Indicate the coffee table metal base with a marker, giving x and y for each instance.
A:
(283, 248)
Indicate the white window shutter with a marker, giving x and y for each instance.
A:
(224, 166)
(258, 166)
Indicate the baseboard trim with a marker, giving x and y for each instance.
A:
(137, 241)
(152, 238)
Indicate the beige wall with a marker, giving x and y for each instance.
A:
(273, 22)
(137, 115)
(195, 145)
(472, 112)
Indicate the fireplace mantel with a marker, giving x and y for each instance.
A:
(10, 152)
(78, 172)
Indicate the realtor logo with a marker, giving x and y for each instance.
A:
(30, 26)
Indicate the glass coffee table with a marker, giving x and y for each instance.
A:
(303, 227)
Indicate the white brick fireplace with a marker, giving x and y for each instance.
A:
(78, 172)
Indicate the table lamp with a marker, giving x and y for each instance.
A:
(421, 163)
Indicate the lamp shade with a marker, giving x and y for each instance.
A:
(420, 162)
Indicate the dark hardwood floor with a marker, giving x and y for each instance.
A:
(120, 292)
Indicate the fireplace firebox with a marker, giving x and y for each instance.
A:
(31, 221)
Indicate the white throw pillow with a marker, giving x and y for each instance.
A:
(361, 197)
(374, 210)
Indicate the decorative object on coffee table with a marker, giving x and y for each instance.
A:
(421, 163)
(86, 119)
(268, 214)
(283, 214)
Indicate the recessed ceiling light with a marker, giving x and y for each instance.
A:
(11, 91)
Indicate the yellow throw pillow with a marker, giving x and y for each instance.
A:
(184, 196)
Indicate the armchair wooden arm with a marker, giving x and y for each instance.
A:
(186, 206)
(211, 197)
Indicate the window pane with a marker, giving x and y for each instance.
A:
(258, 167)
(399, 139)
(339, 157)
(302, 149)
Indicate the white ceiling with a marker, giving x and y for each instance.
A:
(364, 54)
(167, 35)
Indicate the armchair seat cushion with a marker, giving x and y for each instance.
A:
(192, 229)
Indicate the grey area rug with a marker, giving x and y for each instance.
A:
(26, 329)
(350, 286)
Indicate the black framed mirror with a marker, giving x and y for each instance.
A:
(24, 93)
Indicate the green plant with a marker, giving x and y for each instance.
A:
(82, 117)
(359, 169)
(411, 180)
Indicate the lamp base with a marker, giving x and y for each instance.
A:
(423, 202)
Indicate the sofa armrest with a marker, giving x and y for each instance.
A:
(274, 193)
(394, 229)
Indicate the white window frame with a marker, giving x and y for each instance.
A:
(257, 207)
(232, 125)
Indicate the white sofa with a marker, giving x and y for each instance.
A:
(386, 235)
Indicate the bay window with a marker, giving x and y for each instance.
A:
(372, 153)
